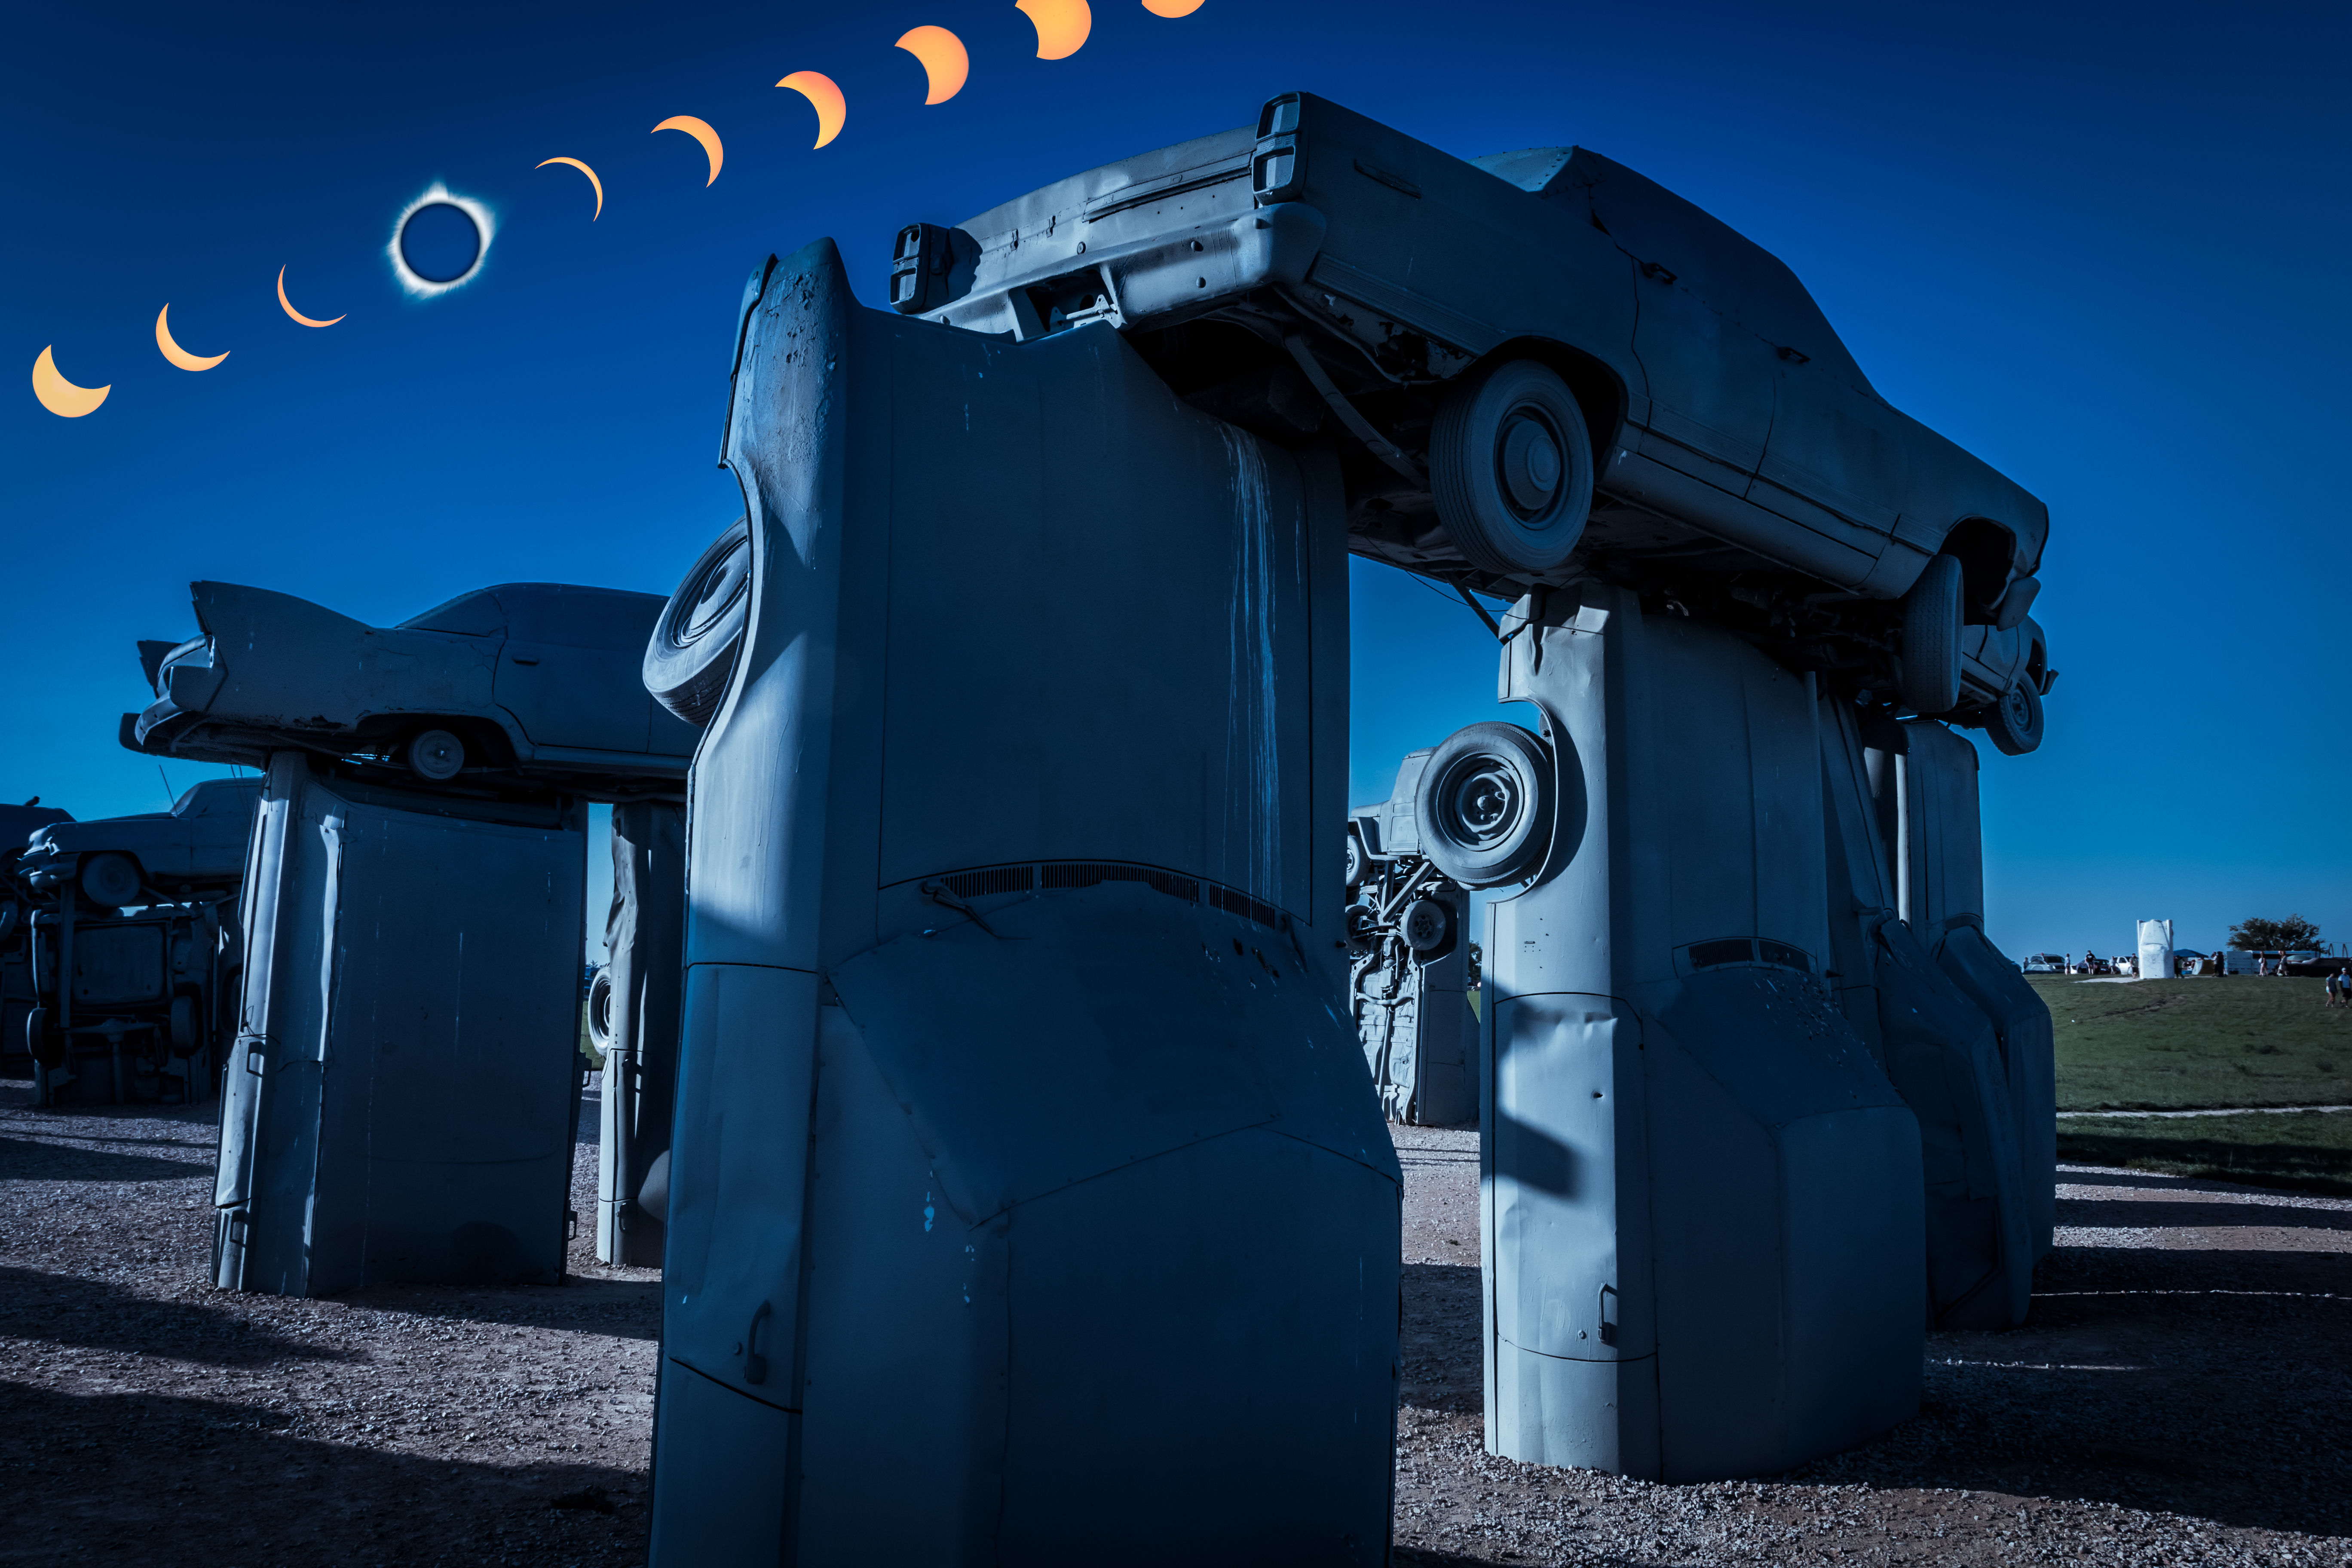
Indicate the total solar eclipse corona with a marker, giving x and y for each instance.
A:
(439, 242)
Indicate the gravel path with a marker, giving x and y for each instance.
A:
(2240, 1111)
(2177, 1398)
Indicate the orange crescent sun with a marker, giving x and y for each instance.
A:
(60, 396)
(593, 180)
(945, 63)
(712, 148)
(1062, 25)
(1171, 7)
(174, 353)
(832, 108)
(297, 315)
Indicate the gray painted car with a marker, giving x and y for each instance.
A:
(1542, 365)
(197, 846)
(535, 681)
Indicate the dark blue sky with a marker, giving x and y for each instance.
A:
(2102, 246)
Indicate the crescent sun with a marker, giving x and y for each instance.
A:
(60, 396)
(1171, 7)
(1062, 25)
(700, 130)
(297, 315)
(593, 180)
(832, 108)
(174, 353)
(945, 63)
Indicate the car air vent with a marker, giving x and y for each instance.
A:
(1781, 953)
(1088, 873)
(995, 880)
(990, 880)
(1735, 950)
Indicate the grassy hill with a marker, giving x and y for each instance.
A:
(2166, 1045)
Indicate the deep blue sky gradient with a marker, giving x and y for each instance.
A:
(2102, 246)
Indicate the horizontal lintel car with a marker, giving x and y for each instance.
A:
(531, 685)
(1537, 365)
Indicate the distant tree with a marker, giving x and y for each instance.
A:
(2290, 934)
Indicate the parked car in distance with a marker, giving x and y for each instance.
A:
(2045, 964)
(1540, 366)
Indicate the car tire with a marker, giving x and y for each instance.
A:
(691, 655)
(186, 1026)
(2013, 724)
(1358, 863)
(435, 755)
(110, 879)
(1931, 638)
(47, 1045)
(1483, 806)
(600, 1010)
(1510, 468)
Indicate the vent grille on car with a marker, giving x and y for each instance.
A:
(989, 880)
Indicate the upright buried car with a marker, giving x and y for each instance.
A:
(1549, 367)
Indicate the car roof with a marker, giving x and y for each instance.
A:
(1710, 259)
(563, 613)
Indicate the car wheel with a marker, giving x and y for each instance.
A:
(2014, 723)
(1510, 466)
(691, 656)
(600, 1010)
(1931, 638)
(1483, 806)
(47, 1046)
(1427, 928)
(1359, 863)
(111, 880)
(435, 754)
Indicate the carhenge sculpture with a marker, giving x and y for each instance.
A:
(132, 962)
(401, 1096)
(1011, 863)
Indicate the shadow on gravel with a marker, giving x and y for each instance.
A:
(67, 1309)
(26, 1160)
(1443, 1361)
(208, 1484)
(626, 1309)
(2207, 1383)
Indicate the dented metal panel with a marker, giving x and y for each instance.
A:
(914, 818)
(1700, 1201)
(403, 1082)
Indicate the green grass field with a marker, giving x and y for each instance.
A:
(2168, 1045)
(2307, 1149)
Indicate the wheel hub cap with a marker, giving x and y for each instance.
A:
(1530, 464)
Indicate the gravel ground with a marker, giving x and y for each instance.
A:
(2176, 1397)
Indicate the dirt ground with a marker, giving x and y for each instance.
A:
(2178, 1397)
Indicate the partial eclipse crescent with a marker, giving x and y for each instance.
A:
(700, 130)
(60, 396)
(297, 315)
(1062, 25)
(832, 108)
(598, 183)
(174, 353)
(1171, 7)
(945, 63)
